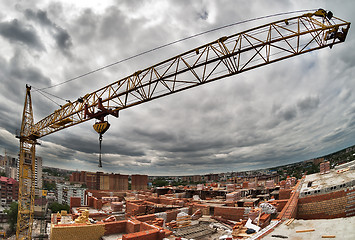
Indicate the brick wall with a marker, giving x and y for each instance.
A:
(153, 199)
(285, 194)
(323, 206)
(290, 209)
(204, 208)
(146, 218)
(231, 213)
(132, 226)
(171, 215)
(279, 204)
(75, 202)
(77, 232)
(135, 207)
(96, 203)
(115, 227)
(146, 235)
(106, 193)
(136, 230)
(145, 227)
(167, 201)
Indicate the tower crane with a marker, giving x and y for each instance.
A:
(224, 57)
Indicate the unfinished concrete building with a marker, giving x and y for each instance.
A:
(100, 180)
(139, 182)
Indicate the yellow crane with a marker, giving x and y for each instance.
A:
(227, 56)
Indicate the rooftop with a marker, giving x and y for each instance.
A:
(335, 179)
(341, 228)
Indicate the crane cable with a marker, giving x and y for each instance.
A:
(169, 44)
(43, 93)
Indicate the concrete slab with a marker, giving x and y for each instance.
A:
(342, 228)
(113, 236)
(326, 181)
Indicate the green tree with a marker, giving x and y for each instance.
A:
(57, 207)
(160, 183)
(12, 216)
(49, 186)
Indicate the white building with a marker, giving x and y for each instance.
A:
(38, 171)
(65, 192)
(8, 165)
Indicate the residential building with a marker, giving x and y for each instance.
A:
(100, 180)
(196, 178)
(38, 170)
(8, 190)
(139, 182)
(65, 192)
(8, 165)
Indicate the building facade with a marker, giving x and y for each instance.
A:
(65, 192)
(38, 170)
(328, 194)
(100, 180)
(139, 182)
(8, 190)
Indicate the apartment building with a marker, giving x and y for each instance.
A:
(100, 180)
(65, 192)
(139, 182)
(8, 190)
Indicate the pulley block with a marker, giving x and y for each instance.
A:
(101, 127)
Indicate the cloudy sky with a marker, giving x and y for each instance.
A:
(289, 111)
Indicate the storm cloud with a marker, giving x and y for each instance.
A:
(60, 35)
(285, 112)
(18, 32)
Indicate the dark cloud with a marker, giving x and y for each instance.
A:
(335, 136)
(40, 16)
(203, 15)
(288, 113)
(88, 143)
(114, 25)
(144, 161)
(60, 35)
(309, 103)
(16, 31)
(9, 146)
(86, 26)
(16, 73)
(20, 70)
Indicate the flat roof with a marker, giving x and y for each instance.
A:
(333, 178)
(341, 228)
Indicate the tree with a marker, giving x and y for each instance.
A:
(12, 216)
(57, 207)
(160, 183)
(49, 186)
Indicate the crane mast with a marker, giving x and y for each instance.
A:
(224, 57)
(26, 171)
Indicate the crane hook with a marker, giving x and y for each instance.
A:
(101, 127)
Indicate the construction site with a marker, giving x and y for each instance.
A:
(309, 208)
(294, 208)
